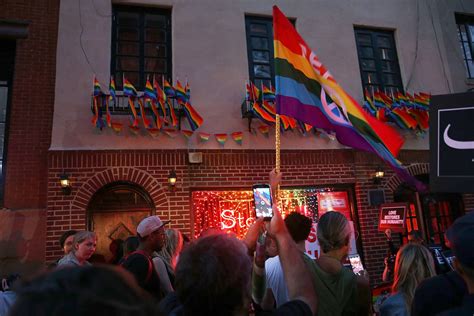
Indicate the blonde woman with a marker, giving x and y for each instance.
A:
(83, 247)
(413, 264)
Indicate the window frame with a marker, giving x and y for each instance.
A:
(466, 21)
(142, 12)
(378, 60)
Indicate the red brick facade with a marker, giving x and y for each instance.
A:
(32, 102)
(220, 169)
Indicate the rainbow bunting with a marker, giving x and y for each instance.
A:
(237, 137)
(170, 132)
(264, 129)
(221, 138)
(129, 89)
(284, 122)
(154, 132)
(168, 89)
(307, 127)
(195, 120)
(186, 133)
(204, 137)
(134, 129)
(117, 127)
(180, 92)
(301, 85)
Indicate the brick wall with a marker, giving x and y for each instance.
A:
(32, 103)
(91, 170)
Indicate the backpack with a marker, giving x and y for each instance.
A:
(143, 253)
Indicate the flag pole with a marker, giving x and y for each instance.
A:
(277, 153)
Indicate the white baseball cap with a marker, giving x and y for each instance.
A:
(150, 224)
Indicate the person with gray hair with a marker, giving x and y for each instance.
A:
(340, 291)
(83, 247)
(165, 260)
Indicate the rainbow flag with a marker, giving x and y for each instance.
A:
(97, 90)
(112, 89)
(301, 85)
(262, 114)
(186, 133)
(180, 92)
(221, 138)
(168, 89)
(268, 94)
(264, 129)
(174, 119)
(149, 91)
(237, 137)
(129, 89)
(204, 137)
(195, 120)
(145, 120)
(161, 95)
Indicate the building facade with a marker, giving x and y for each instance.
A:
(117, 177)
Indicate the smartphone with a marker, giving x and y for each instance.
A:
(262, 197)
(356, 263)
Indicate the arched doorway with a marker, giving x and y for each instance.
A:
(114, 213)
(430, 213)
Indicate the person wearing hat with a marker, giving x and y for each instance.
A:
(461, 238)
(151, 236)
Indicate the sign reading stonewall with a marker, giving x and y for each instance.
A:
(392, 216)
(452, 143)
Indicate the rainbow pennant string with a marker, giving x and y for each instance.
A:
(221, 138)
(264, 129)
(237, 137)
(186, 133)
(204, 137)
(170, 132)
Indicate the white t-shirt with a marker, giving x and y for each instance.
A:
(275, 280)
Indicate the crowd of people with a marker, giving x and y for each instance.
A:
(159, 272)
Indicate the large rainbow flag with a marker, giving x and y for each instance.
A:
(306, 91)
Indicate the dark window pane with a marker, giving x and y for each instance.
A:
(155, 50)
(388, 66)
(155, 35)
(155, 65)
(3, 103)
(128, 63)
(364, 39)
(471, 31)
(133, 78)
(368, 64)
(389, 79)
(261, 57)
(257, 28)
(2, 138)
(262, 71)
(259, 43)
(470, 65)
(128, 34)
(386, 54)
(367, 52)
(127, 19)
(370, 78)
(158, 21)
(128, 48)
(463, 32)
(467, 51)
(383, 41)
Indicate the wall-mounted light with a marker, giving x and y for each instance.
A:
(65, 183)
(172, 178)
(378, 175)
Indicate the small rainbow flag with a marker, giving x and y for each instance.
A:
(168, 89)
(174, 119)
(129, 89)
(186, 133)
(112, 89)
(180, 92)
(145, 120)
(262, 114)
(97, 89)
(195, 120)
(264, 129)
(237, 137)
(268, 94)
(204, 137)
(221, 138)
(149, 91)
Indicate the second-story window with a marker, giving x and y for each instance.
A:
(465, 25)
(141, 44)
(259, 32)
(378, 60)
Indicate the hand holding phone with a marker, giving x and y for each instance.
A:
(262, 196)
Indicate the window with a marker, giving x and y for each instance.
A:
(7, 62)
(260, 50)
(466, 39)
(141, 44)
(378, 60)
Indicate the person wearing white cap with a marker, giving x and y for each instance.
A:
(151, 234)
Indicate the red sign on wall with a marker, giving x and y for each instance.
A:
(334, 201)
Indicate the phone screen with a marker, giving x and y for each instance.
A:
(356, 263)
(263, 201)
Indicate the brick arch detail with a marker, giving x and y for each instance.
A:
(413, 169)
(136, 176)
